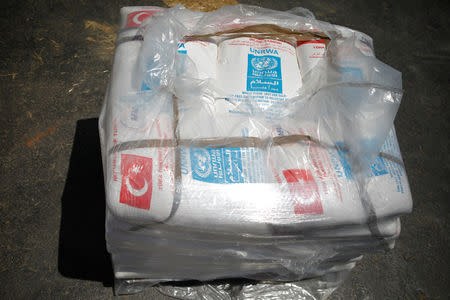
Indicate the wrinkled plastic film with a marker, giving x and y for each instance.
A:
(352, 78)
(311, 289)
(247, 143)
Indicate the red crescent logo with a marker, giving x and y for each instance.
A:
(136, 18)
(304, 191)
(136, 189)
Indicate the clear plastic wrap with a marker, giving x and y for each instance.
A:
(247, 143)
(309, 289)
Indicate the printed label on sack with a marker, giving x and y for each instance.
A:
(181, 47)
(318, 46)
(321, 166)
(395, 170)
(133, 117)
(264, 73)
(312, 50)
(136, 188)
(304, 190)
(225, 165)
(342, 166)
(138, 112)
(364, 45)
(136, 18)
(310, 53)
(379, 167)
(340, 163)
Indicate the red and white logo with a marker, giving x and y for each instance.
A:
(305, 192)
(136, 189)
(136, 18)
(299, 43)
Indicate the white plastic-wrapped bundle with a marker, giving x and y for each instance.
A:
(247, 143)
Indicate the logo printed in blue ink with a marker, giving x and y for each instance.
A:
(201, 163)
(379, 167)
(264, 63)
(145, 87)
(181, 48)
(217, 165)
(264, 74)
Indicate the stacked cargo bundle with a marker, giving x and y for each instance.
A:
(247, 143)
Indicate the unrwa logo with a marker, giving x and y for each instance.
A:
(201, 163)
(264, 63)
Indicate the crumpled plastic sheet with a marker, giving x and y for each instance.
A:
(308, 289)
(318, 288)
(350, 100)
(361, 109)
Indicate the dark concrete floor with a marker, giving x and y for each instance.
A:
(53, 77)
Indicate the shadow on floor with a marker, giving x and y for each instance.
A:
(82, 248)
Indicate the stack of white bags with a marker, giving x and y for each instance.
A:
(234, 152)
